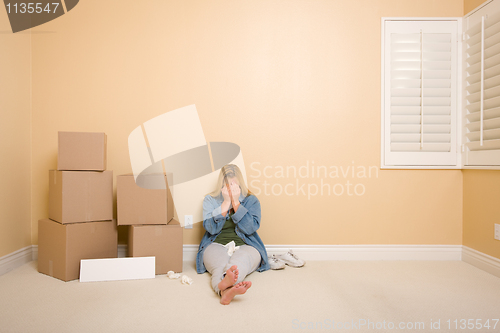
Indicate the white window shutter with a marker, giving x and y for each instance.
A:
(482, 87)
(420, 93)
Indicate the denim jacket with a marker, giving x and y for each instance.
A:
(247, 220)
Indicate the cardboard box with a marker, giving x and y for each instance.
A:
(62, 246)
(81, 151)
(80, 196)
(137, 205)
(162, 241)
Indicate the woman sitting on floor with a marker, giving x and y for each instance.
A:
(231, 248)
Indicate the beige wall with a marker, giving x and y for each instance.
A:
(481, 210)
(289, 81)
(469, 5)
(280, 73)
(292, 78)
(15, 139)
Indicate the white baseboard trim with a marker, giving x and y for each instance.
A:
(15, 259)
(371, 252)
(314, 253)
(481, 260)
(35, 252)
(122, 250)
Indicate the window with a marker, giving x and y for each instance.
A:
(481, 87)
(419, 117)
(441, 91)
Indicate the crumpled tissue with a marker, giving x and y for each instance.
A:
(173, 275)
(186, 280)
(231, 247)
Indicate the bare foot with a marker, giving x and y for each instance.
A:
(230, 278)
(239, 289)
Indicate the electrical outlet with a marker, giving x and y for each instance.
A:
(497, 231)
(188, 221)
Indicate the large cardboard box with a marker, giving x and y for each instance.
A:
(162, 241)
(80, 196)
(81, 151)
(62, 246)
(137, 205)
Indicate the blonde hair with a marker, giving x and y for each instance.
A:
(227, 172)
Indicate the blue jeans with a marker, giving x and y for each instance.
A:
(217, 261)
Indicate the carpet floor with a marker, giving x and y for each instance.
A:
(354, 296)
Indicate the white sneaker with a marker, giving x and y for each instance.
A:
(275, 262)
(291, 259)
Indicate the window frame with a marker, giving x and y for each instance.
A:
(459, 115)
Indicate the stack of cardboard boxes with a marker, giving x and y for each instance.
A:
(80, 224)
(149, 214)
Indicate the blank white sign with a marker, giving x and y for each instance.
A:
(114, 269)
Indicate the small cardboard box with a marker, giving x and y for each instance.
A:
(162, 241)
(80, 196)
(62, 246)
(137, 205)
(81, 151)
